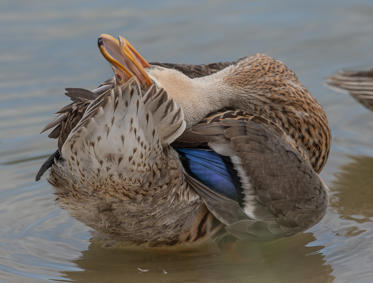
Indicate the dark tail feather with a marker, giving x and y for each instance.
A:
(47, 164)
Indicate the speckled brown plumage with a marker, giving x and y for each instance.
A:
(282, 99)
(124, 189)
(126, 180)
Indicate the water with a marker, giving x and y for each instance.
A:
(49, 45)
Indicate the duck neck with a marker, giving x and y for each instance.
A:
(197, 97)
(209, 94)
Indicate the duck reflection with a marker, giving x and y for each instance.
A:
(353, 190)
(240, 262)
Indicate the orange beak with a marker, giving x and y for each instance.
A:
(124, 58)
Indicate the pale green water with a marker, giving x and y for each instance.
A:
(49, 45)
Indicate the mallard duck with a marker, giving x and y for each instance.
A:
(358, 83)
(165, 154)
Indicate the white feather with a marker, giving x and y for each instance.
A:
(248, 191)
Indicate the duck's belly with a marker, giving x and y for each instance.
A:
(160, 215)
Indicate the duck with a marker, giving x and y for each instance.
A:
(359, 83)
(165, 154)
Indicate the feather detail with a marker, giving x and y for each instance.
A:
(122, 124)
(55, 122)
(80, 94)
(55, 134)
(292, 199)
(47, 164)
(209, 168)
(167, 115)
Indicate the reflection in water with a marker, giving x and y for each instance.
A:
(347, 229)
(38, 240)
(353, 198)
(286, 260)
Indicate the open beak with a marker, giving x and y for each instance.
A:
(125, 60)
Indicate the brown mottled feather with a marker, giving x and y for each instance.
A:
(70, 115)
(122, 179)
(267, 88)
(278, 121)
(279, 97)
(292, 199)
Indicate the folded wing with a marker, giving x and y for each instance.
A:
(279, 193)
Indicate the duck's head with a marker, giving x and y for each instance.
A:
(197, 97)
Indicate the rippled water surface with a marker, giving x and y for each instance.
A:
(49, 45)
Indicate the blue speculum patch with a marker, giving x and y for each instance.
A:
(209, 168)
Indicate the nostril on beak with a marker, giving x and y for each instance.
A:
(100, 41)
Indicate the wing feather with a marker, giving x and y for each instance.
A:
(282, 193)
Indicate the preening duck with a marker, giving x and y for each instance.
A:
(358, 83)
(164, 154)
